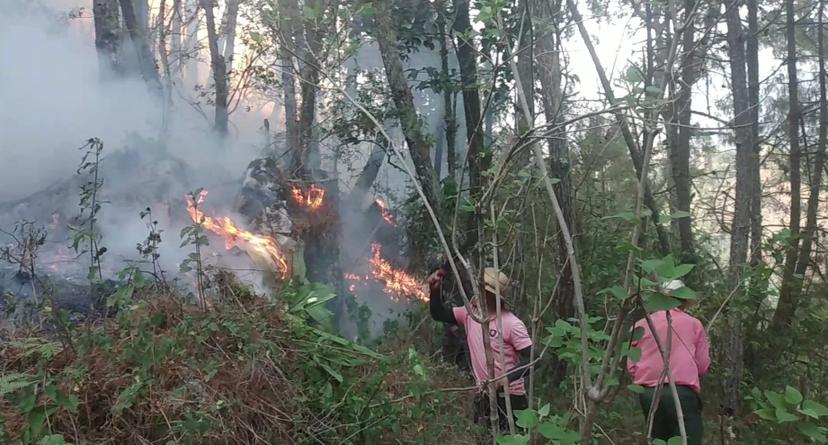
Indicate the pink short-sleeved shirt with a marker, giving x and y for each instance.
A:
(515, 338)
(689, 353)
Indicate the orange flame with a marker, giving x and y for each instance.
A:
(232, 234)
(386, 215)
(314, 198)
(398, 284)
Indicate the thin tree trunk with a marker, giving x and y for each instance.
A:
(175, 37)
(732, 350)
(788, 295)
(632, 147)
(753, 91)
(419, 146)
(163, 55)
(192, 46)
(550, 75)
(138, 35)
(287, 48)
(107, 36)
(449, 115)
(229, 32)
(477, 164)
(219, 71)
(525, 60)
(309, 78)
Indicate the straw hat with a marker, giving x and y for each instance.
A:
(494, 278)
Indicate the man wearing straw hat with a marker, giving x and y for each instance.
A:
(517, 344)
(689, 360)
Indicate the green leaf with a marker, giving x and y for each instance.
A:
(658, 302)
(12, 382)
(815, 432)
(634, 355)
(684, 293)
(628, 216)
(550, 430)
(616, 291)
(766, 413)
(678, 214)
(792, 395)
(544, 410)
(681, 270)
(633, 75)
(331, 372)
(526, 418)
(638, 389)
(518, 439)
(674, 441)
(818, 409)
(783, 416)
(775, 399)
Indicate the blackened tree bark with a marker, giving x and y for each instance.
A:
(792, 280)
(787, 295)
(107, 36)
(419, 145)
(219, 69)
(139, 37)
(549, 73)
(732, 348)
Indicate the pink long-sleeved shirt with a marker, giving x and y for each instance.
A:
(689, 354)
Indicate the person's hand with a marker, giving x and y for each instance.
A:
(436, 278)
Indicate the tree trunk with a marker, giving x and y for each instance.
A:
(309, 75)
(550, 74)
(788, 294)
(733, 342)
(287, 49)
(753, 91)
(192, 45)
(449, 99)
(419, 146)
(219, 70)
(467, 59)
(525, 61)
(175, 37)
(139, 38)
(230, 19)
(107, 36)
(681, 131)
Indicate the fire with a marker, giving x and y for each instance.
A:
(312, 200)
(224, 227)
(386, 215)
(398, 284)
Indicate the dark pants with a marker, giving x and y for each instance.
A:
(665, 422)
(481, 409)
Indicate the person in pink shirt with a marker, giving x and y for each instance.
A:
(517, 344)
(689, 359)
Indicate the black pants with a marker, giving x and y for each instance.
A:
(665, 422)
(481, 409)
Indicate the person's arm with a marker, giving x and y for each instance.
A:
(438, 310)
(518, 337)
(702, 351)
(522, 368)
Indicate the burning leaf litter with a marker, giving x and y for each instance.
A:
(399, 285)
(261, 245)
(313, 199)
(386, 215)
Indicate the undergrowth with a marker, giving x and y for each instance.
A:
(246, 371)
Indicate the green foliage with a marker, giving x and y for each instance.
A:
(792, 408)
(554, 429)
(86, 237)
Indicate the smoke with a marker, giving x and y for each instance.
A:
(53, 100)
